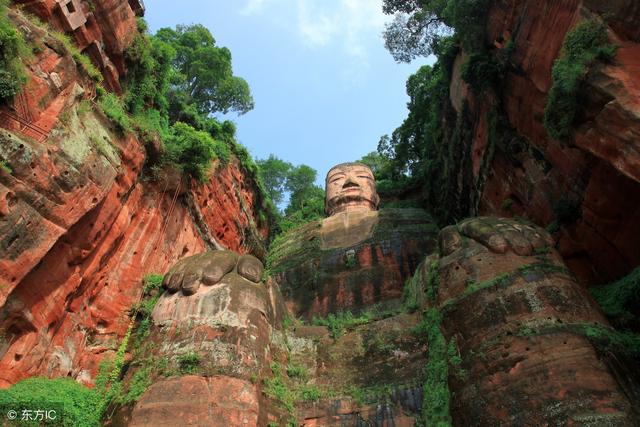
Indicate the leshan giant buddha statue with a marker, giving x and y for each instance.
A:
(357, 256)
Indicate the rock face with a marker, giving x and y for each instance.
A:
(102, 29)
(81, 224)
(379, 359)
(527, 333)
(350, 260)
(582, 184)
(198, 401)
(215, 308)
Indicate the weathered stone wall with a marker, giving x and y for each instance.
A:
(351, 260)
(81, 223)
(102, 29)
(535, 348)
(584, 184)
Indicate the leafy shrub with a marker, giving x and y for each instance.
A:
(409, 296)
(481, 71)
(138, 384)
(12, 49)
(74, 403)
(620, 300)
(150, 296)
(583, 47)
(297, 371)
(114, 109)
(193, 150)
(311, 394)
(276, 388)
(188, 363)
(152, 282)
(436, 400)
(338, 322)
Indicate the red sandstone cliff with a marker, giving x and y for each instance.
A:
(80, 222)
(597, 172)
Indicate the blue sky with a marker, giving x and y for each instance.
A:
(324, 86)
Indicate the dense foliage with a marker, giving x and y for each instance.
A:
(75, 404)
(419, 24)
(428, 157)
(12, 49)
(583, 47)
(306, 199)
(436, 397)
(177, 79)
(425, 152)
(620, 300)
(194, 150)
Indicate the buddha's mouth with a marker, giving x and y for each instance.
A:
(351, 190)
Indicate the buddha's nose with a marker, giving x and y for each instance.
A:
(350, 183)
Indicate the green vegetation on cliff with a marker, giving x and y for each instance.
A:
(583, 47)
(306, 199)
(12, 49)
(74, 404)
(166, 99)
(436, 394)
(178, 80)
(418, 25)
(426, 151)
(620, 300)
(429, 156)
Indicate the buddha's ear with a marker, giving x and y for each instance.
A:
(376, 200)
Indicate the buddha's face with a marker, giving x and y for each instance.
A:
(350, 187)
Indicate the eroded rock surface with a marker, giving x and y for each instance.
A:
(579, 186)
(191, 400)
(79, 225)
(378, 361)
(525, 331)
(217, 312)
(350, 260)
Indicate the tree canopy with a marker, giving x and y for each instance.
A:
(274, 172)
(177, 80)
(202, 75)
(306, 199)
(419, 24)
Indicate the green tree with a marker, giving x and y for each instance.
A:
(193, 150)
(203, 77)
(274, 173)
(419, 24)
(380, 164)
(149, 70)
(301, 187)
(304, 206)
(406, 148)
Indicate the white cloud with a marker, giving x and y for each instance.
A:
(350, 27)
(348, 23)
(316, 27)
(253, 6)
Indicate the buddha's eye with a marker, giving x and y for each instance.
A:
(334, 180)
(364, 176)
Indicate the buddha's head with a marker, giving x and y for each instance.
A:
(350, 187)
